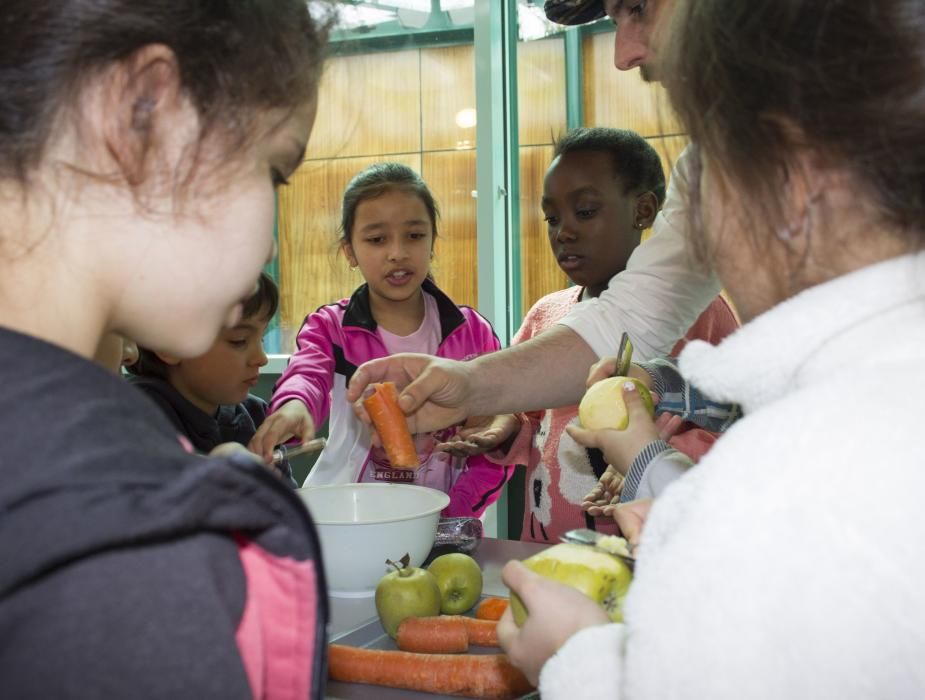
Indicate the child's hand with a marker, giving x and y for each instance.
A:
(556, 612)
(631, 519)
(620, 447)
(605, 496)
(227, 449)
(481, 435)
(292, 420)
(605, 368)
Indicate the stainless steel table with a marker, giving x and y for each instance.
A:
(349, 614)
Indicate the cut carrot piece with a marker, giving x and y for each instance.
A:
(491, 609)
(433, 635)
(392, 426)
(467, 675)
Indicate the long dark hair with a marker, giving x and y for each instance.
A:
(757, 82)
(236, 58)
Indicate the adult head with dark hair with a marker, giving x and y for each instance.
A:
(146, 136)
(602, 189)
(811, 147)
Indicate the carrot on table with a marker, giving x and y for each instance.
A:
(491, 609)
(392, 426)
(433, 635)
(482, 633)
(467, 675)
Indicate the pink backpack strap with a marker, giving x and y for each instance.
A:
(276, 635)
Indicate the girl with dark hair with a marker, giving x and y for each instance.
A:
(603, 188)
(388, 225)
(139, 138)
(785, 564)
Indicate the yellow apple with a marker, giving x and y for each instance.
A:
(600, 576)
(603, 406)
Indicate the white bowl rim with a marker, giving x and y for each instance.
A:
(443, 497)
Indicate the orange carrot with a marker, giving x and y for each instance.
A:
(392, 426)
(468, 675)
(446, 634)
(491, 609)
(433, 635)
(482, 633)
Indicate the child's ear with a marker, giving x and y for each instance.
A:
(348, 253)
(144, 91)
(168, 360)
(646, 209)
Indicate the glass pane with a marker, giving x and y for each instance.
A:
(541, 116)
(610, 98)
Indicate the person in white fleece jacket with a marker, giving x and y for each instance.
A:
(787, 563)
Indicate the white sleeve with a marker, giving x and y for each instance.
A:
(661, 292)
(588, 666)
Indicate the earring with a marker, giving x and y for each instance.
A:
(640, 225)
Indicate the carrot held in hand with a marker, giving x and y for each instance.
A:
(467, 675)
(433, 635)
(389, 420)
(491, 609)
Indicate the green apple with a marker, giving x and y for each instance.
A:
(406, 592)
(460, 581)
(600, 576)
(603, 406)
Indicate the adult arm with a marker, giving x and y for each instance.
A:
(546, 372)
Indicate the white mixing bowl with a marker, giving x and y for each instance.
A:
(362, 525)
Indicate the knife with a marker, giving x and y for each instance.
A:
(624, 356)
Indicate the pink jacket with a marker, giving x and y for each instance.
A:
(337, 339)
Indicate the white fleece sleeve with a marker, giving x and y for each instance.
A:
(588, 666)
(661, 292)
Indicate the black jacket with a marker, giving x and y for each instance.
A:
(236, 423)
(119, 577)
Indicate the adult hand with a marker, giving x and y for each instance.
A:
(291, 420)
(482, 434)
(434, 391)
(556, 612)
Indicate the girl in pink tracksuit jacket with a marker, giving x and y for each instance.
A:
(389, 225)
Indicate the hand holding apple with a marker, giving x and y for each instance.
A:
(617, 404)
(557, 612)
